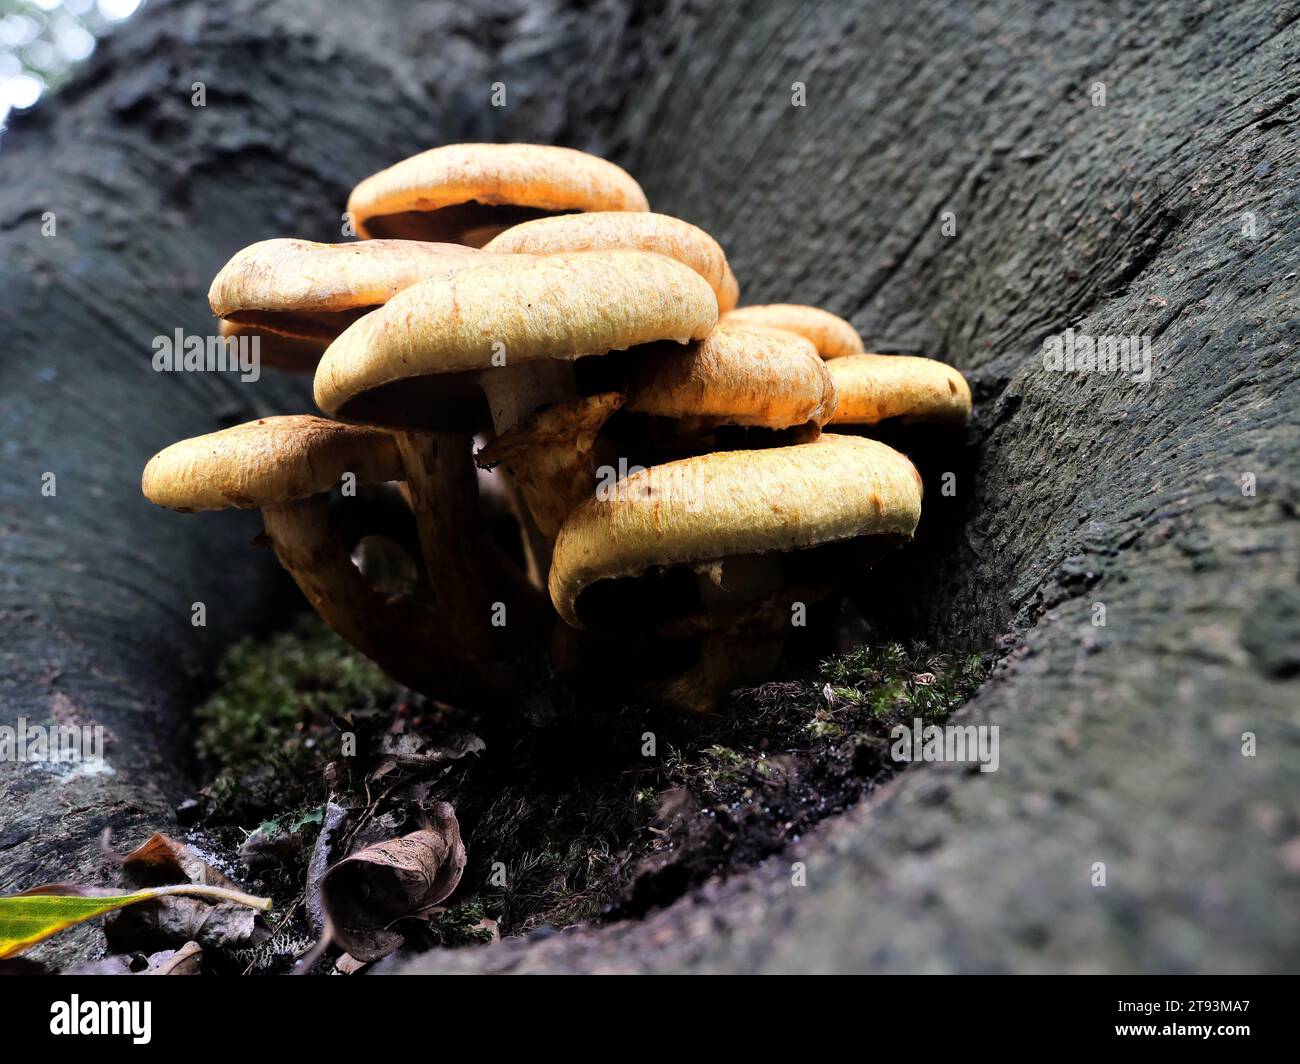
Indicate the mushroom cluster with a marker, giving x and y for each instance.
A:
(674, 501)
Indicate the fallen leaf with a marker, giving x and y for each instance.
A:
(263, 853)
(113, 964)
(414, 752)
(321, 853)
(364, 894)
(172, 922)
(278, 843)
(348, 964)
(159, 860)
(184, 961)
(44, 911)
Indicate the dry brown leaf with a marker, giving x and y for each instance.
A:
(171, 922)
(364, 894)
(160, 859)
(348, 965)
(185, 961)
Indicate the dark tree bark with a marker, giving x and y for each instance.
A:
(1119, 744)
(149, 196)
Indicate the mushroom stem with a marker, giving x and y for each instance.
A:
(733, 583)
(537, 548)
(739, 633)
(442, 489)
(406, 640)
(550, 457)
(726, 661)
(514, 392)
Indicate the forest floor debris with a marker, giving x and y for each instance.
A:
(602, 813)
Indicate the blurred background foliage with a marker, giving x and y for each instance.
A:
(43, 41)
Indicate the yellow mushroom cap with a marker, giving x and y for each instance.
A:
(619, 231)
(729, 294)
(515, 310)
(281, 284)
(732, 503)
(830, 334)
(534, 176)
(872, 388)
(294, 354)
(739, 375)
(272, 460)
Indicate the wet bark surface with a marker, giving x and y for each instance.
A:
(1120, 744)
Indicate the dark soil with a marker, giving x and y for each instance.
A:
(594, 814)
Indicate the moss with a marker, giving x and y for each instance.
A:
(459, 925)
(895, 680)
(719, 765)
(293, 822)
(265, 732)
(559, 847)
(584, 825)
(821, 727)
(743, 783)
(269, 688)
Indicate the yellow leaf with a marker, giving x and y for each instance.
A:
(39, 913)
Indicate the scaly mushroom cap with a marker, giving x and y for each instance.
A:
(729, 294)
(517, 308)
(734, 503)
(830, 334)
(514, 182)
(619, 231)
(272, 460)
(872, 388)
(304, 289)
(738, 375)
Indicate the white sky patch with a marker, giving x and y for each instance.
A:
(117, 9)
(20, 91)
(74, 41)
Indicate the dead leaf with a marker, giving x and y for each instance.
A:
(366, 893)
(44, 911)
(321, 855)
(113, 964)
(185, 961)
(263, 852)
(414, 752)
(160, 859)
(348, 965)
(174, 921)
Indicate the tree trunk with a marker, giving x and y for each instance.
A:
(956, 186)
